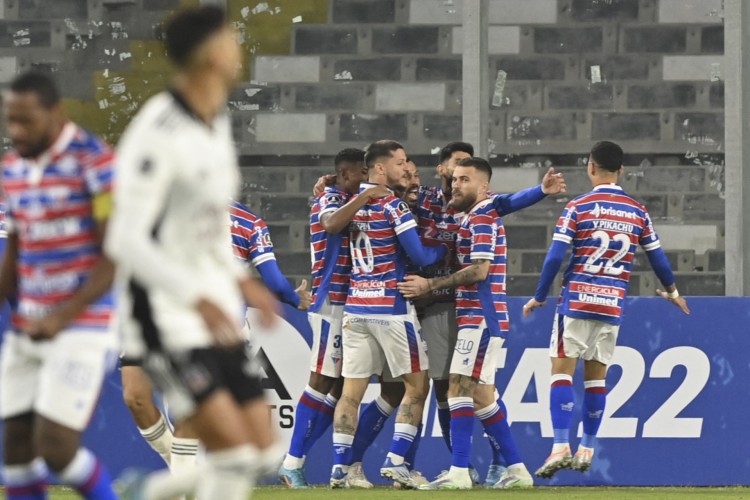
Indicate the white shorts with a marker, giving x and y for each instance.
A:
(326, 346)
(440, 331)
(476, 354)
(583, 338)
(60, 379)
(372, 341)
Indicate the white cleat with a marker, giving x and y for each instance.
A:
(582, 459)
(450, 480)
(417, 477)
(557, 460)
(515, 477)
(356, 477)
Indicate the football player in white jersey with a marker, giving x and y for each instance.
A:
(182, 289)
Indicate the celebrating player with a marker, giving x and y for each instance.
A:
(439, 223)
(604, 226)
(482, 319)
(57, 182)
(329, 242)
(182, 288)
(379, 326)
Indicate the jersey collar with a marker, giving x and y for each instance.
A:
(481, 204)
(607, 185)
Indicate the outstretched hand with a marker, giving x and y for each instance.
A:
(553, 183)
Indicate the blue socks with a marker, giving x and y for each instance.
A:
(371, 420)
(496, 426)
(461, 425)
(594, 400)
(322, 422)
(88, 476)
(561, 405)
(444, 418)
(310, 408)
(403, 439)
(342, 450)
(411, 455)
(26, 482)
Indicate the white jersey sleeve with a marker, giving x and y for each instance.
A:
(144, 176)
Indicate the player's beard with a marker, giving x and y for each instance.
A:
(464, 201)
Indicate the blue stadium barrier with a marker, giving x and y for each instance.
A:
(675, 410)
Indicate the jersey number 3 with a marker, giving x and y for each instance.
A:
(610, 266)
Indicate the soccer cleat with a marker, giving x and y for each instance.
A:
(557, 460)
(338, 478)
(582, 459)
(474, 474)
(516, 477)
(129, 486)
(398, 473)
(293, 478)
(418, 478)
(356, 477)
(448, 481)
(494, 473)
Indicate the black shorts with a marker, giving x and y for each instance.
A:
(128, 361)
(186, 380)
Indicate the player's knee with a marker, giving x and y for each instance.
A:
(136, 399)
(392, 393)
(321, 383)
(56, 446)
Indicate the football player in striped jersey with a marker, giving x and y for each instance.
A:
(604, 227)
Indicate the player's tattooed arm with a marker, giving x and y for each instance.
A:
(416, 286)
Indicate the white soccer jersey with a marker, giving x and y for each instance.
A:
(168, 234)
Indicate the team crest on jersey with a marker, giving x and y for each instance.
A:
(335, 199)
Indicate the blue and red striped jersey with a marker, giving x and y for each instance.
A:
(49, 205)
(331, 263)
(482, 237)
(379, 261)
(251, 241)
(604, 226)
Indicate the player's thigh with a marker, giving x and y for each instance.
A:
(20, 366)
(72, 375)
(363, 355)
(603, 343)
(219, 421)
(401, 340)
(570, 337)
(440, 331)
(476, 354)
(326, 352)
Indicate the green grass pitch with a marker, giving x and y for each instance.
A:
(544, 493)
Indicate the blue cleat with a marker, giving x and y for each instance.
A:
(494, 473)
(339, 478)
(293, 478)
(398, 473)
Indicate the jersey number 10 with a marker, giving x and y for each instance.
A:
(363, 260)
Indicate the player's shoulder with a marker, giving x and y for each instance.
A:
(88, 144)
(243, 216)
(332, 196)
(160, 115)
